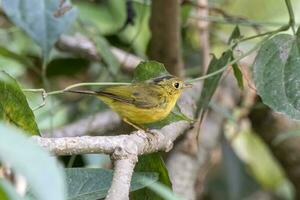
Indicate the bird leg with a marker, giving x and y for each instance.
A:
(134, 125)
(138, 127)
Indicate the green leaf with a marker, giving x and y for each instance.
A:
(161, 190)
(13, 105)
(7, 191)
(148, 70)
(237, 74)
(36, 18)
(38, 167)
(89, 184)
(108, 57)
(151, 163)
(66, 66)
(277, 74)
(107, 16)
(210, 84)
(235, 35)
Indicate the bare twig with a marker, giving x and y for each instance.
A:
(82, 46)
(100, 122)
(139, 141)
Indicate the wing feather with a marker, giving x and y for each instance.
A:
(142, 96)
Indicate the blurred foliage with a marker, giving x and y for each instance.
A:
(247, 165)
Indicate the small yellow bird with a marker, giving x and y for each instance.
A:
(142, 102)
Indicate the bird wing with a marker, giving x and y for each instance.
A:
(142, 96)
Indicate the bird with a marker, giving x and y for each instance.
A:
(142, 103)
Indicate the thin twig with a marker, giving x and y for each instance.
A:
(257, 46)
(291, 14)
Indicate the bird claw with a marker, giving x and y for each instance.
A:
(151, 134)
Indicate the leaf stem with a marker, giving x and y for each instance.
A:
(282, 28)
(291, 14)
(257, 46)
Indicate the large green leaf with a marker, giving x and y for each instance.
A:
(151, 163)
(36, 18)
(7, 191)
(13, 105)
(92, 184)
(40, 169)
(210, 84)
(277, 74)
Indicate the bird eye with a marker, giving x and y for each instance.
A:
(176, 85)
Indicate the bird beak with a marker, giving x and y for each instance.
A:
(187, 85)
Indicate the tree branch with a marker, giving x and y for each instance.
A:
(120, 186)
(83, 47)
(137, 141)
(124, 149)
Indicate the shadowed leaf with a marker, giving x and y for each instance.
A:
(277, 74)
(151, 163)
(93, 184)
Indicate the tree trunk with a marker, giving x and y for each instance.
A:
(165, 43)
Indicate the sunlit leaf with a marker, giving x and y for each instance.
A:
(37, 18)
(277, 74)
(32, 162)
(13, 105)
(93, 184)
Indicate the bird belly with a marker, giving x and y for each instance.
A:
(135, 114)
